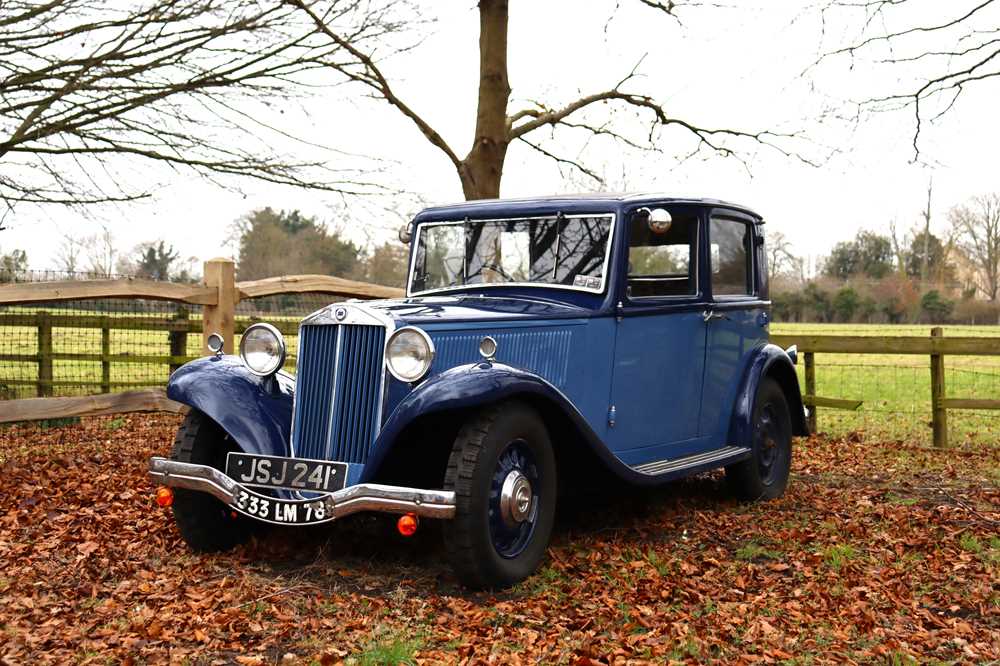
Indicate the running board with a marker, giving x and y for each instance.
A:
(659, 467)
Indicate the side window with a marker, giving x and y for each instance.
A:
(731, 242)
(662, 262)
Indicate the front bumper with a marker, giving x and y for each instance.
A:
(361, 497)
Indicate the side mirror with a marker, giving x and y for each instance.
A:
(658, 219)
(406, 233)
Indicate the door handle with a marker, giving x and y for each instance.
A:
(709, 315)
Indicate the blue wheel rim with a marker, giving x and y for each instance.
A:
(510, 541)
(767, 448)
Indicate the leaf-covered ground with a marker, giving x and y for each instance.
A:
(877, 554)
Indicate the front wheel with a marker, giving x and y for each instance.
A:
(205, 523)
(765, 474)
(503, 472)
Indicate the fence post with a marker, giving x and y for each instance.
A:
(220, 318)
(44, 355)
(939, 415)
(179, 338)
(105, 354)
(810, 363)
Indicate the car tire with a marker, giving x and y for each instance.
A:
(205, 523)
(503, 472)
(765, 474)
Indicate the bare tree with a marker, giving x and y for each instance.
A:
(69, 254)
(89, 89)
(925, 250)
(977, 232)
(781, 259)
(102, 251)
(938, 53)
(900, 246)
(498, 126)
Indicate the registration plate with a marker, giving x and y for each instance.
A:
(319, 476)
(282, 512)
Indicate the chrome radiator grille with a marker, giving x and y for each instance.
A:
(338, 392)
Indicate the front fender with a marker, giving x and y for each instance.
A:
(478, 384)
(768, 361)
(255, 411)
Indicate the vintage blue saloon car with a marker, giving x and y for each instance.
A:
(538, 339)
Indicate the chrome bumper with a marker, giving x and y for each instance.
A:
(362, 497)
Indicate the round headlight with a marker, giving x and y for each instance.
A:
(263, 349)
(409, 354)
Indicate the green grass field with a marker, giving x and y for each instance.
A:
(895, 389)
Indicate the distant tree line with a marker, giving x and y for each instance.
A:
(266, 243)
(270, 243)
(919, 277)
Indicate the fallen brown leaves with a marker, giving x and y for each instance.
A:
(878, 553)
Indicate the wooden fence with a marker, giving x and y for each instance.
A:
(218, 295)
(936, 347)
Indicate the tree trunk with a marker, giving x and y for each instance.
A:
(483, 166)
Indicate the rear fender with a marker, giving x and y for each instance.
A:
(768, 361)
(255, 411)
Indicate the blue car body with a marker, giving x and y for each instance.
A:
(655, 388)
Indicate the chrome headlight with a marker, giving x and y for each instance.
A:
(263, 349)
(409, 354)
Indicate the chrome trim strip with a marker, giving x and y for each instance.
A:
(354, 313)
(605, 278)
(362, 497)
(672, 465)
(328, 451)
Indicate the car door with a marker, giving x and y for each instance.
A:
(659, 350)
(737, 316)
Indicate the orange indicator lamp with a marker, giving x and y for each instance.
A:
(408, 524)
(164, 496)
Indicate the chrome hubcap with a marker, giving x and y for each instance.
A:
(515, 499)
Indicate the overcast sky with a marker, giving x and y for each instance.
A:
(739, 67)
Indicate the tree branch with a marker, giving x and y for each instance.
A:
(562, 160)
(160, 83)
(374, 79)
(954, 53)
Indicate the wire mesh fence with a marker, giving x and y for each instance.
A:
(896, 401)
(101, 345)
(895, 389)
(93, 346)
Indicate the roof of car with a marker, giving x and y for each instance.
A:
(526, 203)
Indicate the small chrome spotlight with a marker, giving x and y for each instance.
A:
(215, 344)
(488, 348)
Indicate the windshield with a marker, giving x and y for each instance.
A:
(564, 251)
